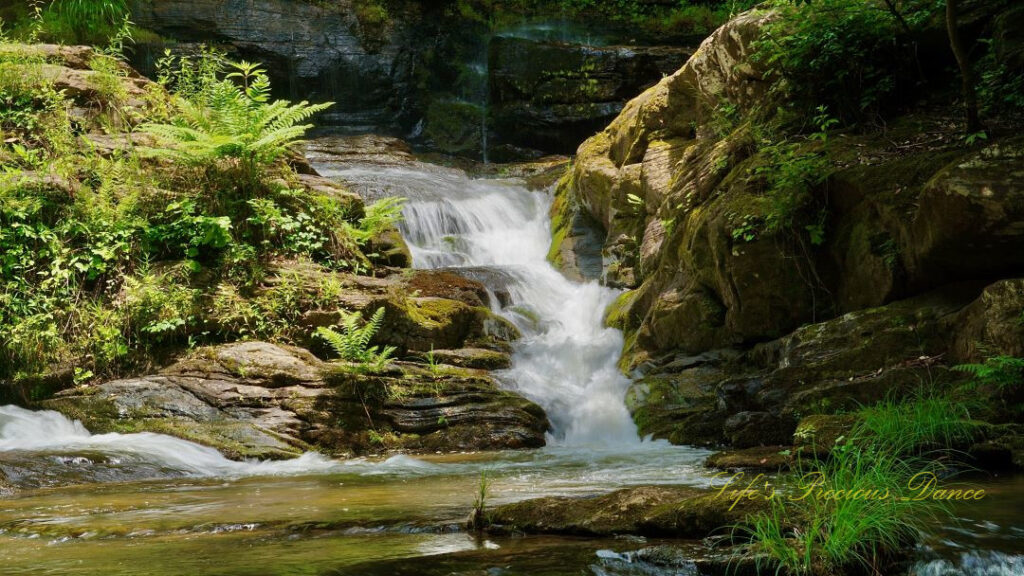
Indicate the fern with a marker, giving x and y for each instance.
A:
(1002, 372)
(230, 118)
(353, 342)
(380, 215)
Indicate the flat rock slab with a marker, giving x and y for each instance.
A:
(657, 511)
(762, 458)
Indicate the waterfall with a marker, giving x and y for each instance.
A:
(567, 359)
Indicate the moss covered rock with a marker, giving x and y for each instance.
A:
(649, 511)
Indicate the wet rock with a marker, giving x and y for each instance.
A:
(767, 458)
(749, 429)
(473, 358)
(991, 325)
(551, 96)
(262, 400)
(576, 238)
(819, 433)
(364, 149)
(648, 510)
(969, 223)
(413, 408)
(752, 397)
(701, 559)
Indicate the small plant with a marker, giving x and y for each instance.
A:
(380, 216)
(635, 202)
(353, 342)
(432, 363)
(478, 520)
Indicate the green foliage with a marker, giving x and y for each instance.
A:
(92, 22)
(846, 54)
(815, 535)
(1002, 373)
(182, 231)
(790, 169)
(928, 421)
(380, 216)
(107, 261)
(1001, 88)
(353, 342)
(231, 119)
(89, 11)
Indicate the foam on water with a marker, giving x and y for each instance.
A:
(51, 432)
(567, 359)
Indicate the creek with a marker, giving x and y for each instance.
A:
(119, 504)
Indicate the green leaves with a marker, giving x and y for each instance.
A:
(186, 233)
(229, 118)
(380, 216)
(353, 342)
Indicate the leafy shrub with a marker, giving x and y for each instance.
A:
(232, 119)
(848, 55)
(184, 232)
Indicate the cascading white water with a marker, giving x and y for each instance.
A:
(567, 359)
(45, 431)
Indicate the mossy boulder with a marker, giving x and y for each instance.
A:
(263, 400)
(455, 127)
(756, 396)
(412, 408)
(766, 458)
(660, 511)
(992, 325)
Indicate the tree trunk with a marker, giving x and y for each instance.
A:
(966, 73)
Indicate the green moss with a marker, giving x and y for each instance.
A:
(454, 127)
(620, 312)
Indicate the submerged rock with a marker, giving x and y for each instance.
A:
(659, 511)
(767, 458)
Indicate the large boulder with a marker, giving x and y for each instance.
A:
(676, 183)
(262, 400)
(756, 396)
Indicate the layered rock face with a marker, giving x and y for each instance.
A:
(551, 96)
(262, 400)
(713, 314)
(419, 69)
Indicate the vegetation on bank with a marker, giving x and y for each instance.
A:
(860, 504)
(140, 217)
(841, 65)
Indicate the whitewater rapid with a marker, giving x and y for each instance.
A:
(566, 360)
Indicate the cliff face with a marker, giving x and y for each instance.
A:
(421, 69)
(712, 302)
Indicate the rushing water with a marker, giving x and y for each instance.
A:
(171, 507)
